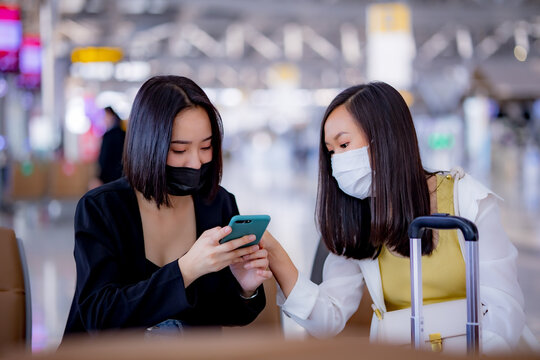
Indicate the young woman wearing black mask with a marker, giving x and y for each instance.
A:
(147, 246)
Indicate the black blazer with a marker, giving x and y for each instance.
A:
(117, 287)
(110, 154)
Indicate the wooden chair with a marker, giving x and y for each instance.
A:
(15, 299)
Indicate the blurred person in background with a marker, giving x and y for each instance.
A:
(371, 186)
(147, 248)
(112, 146)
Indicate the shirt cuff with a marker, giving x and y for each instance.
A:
(301, 300)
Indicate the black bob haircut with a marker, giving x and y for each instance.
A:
(148, 137)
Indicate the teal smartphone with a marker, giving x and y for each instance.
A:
(246, 225)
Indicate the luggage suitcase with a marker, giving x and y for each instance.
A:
(470, 233)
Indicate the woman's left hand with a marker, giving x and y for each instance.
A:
(252, 271)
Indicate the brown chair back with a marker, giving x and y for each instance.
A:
(14, 290)
(28, 181)
(254, 345)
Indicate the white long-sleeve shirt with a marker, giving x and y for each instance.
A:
(323, 310)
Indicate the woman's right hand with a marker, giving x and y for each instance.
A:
(208, 255)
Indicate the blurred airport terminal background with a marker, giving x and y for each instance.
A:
(469, 69)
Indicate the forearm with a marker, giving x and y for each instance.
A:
(221, 291)
(325, 309)
(247, 309)
(144, 303)
(281, 265)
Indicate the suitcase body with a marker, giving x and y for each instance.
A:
(470, 233)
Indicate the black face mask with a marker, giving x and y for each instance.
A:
(183, 181)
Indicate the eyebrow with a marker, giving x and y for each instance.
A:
(338, 135)
(189, 142)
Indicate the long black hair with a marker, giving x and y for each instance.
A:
(148, 137)
(358, 228)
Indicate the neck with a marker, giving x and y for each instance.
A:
(177, 202)
(432, 187)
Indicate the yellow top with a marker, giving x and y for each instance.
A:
(443, 272)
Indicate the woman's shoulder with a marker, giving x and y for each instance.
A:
(116, 191)
(118, 186)
(469, 193)
(473, 188)
(468, 186)
(223, 193)
(111, 203)
(222, 197)
(218, 210)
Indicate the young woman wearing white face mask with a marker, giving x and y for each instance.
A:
(371, 186)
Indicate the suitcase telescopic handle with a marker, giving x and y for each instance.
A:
(443, 221)
(470, 233)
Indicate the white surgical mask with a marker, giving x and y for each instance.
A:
(352, 172)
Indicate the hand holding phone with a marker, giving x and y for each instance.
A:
(246, 225)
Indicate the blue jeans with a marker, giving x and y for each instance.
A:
(167, 327)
